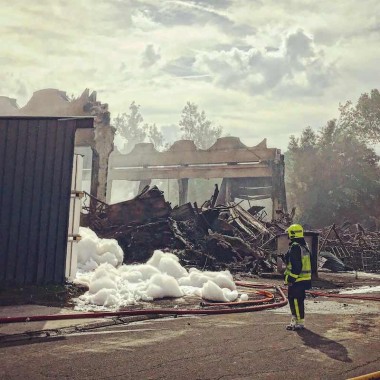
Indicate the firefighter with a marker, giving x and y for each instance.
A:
(297, 275)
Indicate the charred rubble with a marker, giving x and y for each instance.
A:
(353, 247)
(209, 236)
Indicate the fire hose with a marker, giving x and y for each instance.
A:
(316, 293)
(251, 306)
(336, 295)
(214, 307)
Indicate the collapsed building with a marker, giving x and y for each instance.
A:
(214, 234)
(250, 173)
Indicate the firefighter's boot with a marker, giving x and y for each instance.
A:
(292, 323)
(296, 324)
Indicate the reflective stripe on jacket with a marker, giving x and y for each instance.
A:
(305, 274)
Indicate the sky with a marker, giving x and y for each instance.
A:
(260, 69)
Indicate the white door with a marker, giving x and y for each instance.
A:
(74, 219)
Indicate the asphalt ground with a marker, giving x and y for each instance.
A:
(236, 346)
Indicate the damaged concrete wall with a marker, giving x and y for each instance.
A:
(250, 173)
(53, 102)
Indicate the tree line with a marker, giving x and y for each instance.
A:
(333, 174)
(193, 125)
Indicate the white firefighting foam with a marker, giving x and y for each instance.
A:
(93, 251)
(113, 285)
(362, 290)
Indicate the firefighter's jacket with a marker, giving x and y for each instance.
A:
(298, 264)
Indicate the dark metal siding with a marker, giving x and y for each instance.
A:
(36, 159)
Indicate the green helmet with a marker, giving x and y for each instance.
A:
(295, 231)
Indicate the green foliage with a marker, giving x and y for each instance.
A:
(195, 126)
(131, 127)
(155, 136)
(333, 175)
(362, 120)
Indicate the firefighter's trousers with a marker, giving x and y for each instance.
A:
(296, 297)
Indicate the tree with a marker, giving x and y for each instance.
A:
(131, 128)
(300, 166)
(155, 136)
(332, 176)
(196, 127)
(362, 120)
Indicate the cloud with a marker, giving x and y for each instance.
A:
(268, 64)
(296, 69)
(182, 66)
(222, 4)
(270, 49)
(150, 56)
(298, 46)
(174, 13)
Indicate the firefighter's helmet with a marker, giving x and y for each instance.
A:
(295, 231)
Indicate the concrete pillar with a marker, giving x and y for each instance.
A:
(183, 188)
(94, 178)
(278, 186)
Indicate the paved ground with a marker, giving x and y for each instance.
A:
(239, 346)
(342, 341)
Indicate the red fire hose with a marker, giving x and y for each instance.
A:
(226, 307)
(123, 313)
(316, 293)
(336, 295)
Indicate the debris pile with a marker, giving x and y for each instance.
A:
(211, 236)
(356, 247)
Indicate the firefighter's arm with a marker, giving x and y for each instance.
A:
(296, 261)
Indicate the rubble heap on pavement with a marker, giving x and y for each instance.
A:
(358, 248)
(210, 236)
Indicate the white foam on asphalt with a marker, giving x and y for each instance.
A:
(361, 290)
(113, 285)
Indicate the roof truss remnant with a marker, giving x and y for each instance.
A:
(248, 172)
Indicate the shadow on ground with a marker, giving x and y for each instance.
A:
(331, 348)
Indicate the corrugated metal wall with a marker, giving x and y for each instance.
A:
(36, 160)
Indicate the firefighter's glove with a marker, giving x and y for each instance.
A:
(289, 280)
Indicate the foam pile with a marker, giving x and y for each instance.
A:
(115, 286)
(93, 251)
